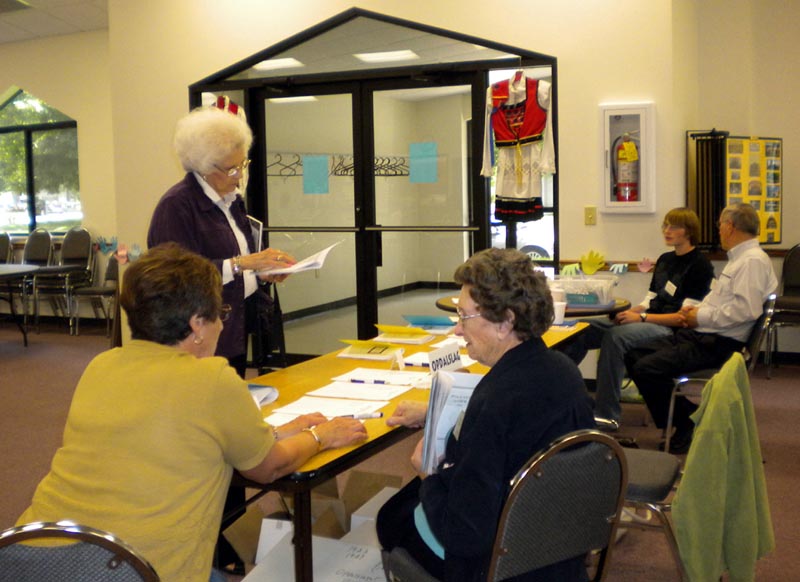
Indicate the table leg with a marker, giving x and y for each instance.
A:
(303, 560)
(13, 311)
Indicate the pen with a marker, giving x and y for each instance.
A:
(359, 381)
(363, 416)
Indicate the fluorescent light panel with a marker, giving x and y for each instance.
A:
(386, 57)
(273, 64)
(304, 98)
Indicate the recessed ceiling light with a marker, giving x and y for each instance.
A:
(272, 64)
(301, 99)
(385, 57)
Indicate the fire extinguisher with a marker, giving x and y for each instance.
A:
(625, 169)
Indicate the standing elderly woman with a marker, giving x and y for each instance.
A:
(530, 396)
(157, 427)
(205, 213)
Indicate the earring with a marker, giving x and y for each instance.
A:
(198, 340)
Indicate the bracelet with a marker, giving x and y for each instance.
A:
(236, 263)
(275, 434)
(314, 434)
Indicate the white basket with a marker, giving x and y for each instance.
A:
(582, 290)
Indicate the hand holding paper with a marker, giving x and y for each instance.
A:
(313, 262)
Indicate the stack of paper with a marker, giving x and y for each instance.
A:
(435, 324)
(369, 350)
(401, 334)
(313, 262)
(450, 394)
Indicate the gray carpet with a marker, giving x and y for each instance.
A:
(36, 385)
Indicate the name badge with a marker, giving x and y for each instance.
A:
(445, 358)
(670, 288)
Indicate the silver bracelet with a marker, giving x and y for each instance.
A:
(314, 434)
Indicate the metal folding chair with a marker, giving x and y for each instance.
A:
(565, 502)
(67, 551)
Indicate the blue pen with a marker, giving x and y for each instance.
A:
(359, 381)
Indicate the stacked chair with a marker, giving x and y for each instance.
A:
(787, 305)
(73, 270)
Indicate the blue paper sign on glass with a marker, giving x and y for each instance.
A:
(315, 175)
(423, 167)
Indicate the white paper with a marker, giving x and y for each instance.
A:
(462, 343)
(307, 264)
(360, 391)
(263, 395)
(331, 407)
(376, 376)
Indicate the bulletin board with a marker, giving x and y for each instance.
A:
(754, 174)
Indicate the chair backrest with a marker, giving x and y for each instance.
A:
(565, 502)
(96, 556)
(791, 272)
(5, 248)
(38, 248)
(758, 333)
(76, 248)
(112, 272)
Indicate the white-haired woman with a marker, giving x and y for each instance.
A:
(205, 213)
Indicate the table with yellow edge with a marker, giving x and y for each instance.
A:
(294, 382)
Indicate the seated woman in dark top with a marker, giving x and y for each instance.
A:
(531, 396)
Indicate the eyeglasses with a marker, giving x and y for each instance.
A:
(235, 170)
(224, 312)
(462, 317)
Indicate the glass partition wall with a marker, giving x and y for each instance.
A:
(381, 159)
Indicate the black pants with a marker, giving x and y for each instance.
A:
(395, 527)
(654, 365)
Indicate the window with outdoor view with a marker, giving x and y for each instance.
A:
(39, 184)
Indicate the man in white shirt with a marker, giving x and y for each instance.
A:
(712, 330)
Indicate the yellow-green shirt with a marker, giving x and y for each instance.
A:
(151, 440)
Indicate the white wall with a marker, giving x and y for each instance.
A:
(728, 64)
(71, 74)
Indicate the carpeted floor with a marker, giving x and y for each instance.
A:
(36, 385)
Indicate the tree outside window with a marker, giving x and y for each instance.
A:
(39, 184)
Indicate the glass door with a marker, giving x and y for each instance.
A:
(309, 165)
(422, 199)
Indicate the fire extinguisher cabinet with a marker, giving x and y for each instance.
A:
(628, 149)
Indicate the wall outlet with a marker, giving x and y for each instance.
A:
(590, 215)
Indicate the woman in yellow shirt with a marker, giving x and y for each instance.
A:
(157, 426)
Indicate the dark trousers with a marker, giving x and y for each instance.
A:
(654, 365)
(395, 527)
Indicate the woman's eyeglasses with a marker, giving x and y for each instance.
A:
(224, 312)
(462, 317)
(235, 170)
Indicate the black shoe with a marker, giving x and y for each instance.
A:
(681, 440)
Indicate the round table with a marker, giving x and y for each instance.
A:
(447, 304)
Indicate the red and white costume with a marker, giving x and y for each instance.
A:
(518, 118)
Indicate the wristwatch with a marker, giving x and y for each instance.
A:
(236, 264)
(643, 315)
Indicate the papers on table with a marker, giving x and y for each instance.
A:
(369, 350)
(307, 264)
(360, 391)
(328, 407)
(401, 334)
(374, 376)
(434, 324)
(263, 395)
(462, 343)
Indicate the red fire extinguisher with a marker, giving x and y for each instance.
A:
(625, 168)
